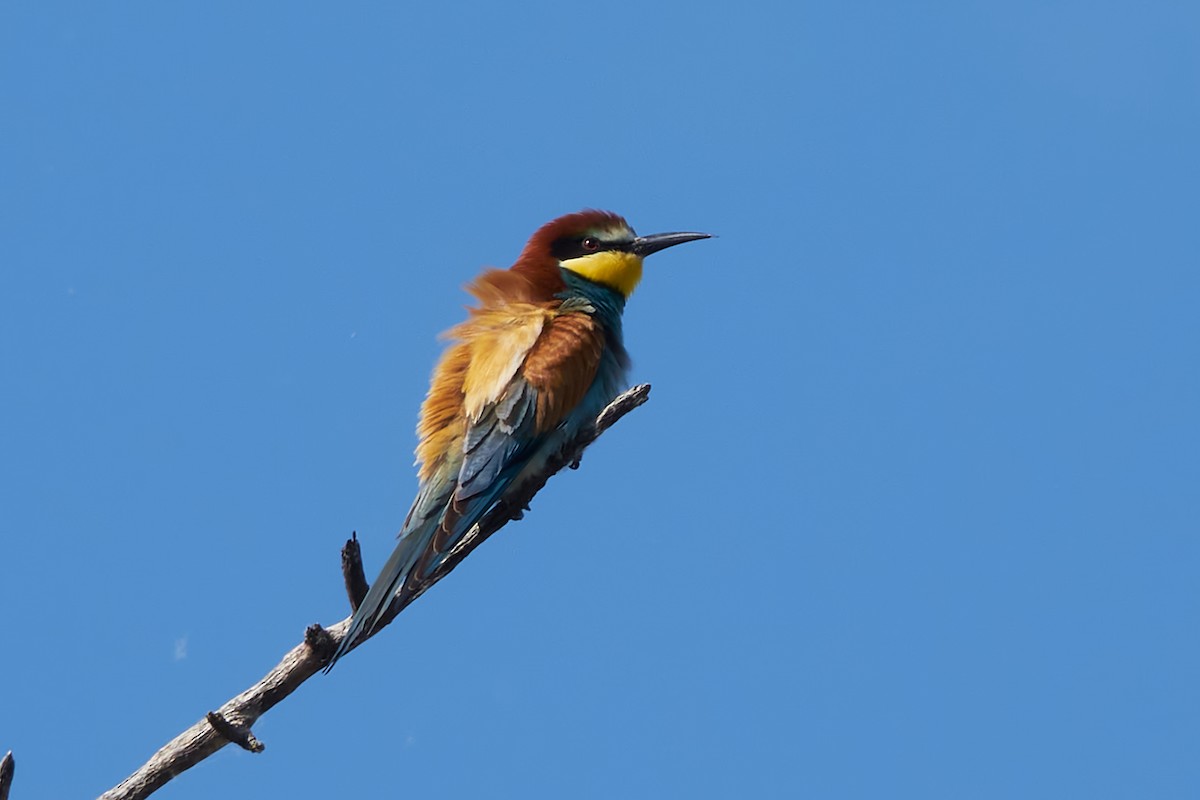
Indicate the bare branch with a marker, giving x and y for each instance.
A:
(352, 572)
(233, 721)
(202, 739)
(240, 735)
(8, 768)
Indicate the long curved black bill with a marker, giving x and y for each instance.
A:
(645, 245)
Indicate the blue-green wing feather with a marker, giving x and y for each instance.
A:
(496, 449)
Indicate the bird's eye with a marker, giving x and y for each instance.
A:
(591, 244)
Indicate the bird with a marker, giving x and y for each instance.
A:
(537, 359)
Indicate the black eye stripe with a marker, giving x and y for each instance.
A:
(572, 247)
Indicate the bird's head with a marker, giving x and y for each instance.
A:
(599, 246)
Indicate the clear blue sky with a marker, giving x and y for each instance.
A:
(912, 511)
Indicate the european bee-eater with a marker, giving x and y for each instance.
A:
(536, 361)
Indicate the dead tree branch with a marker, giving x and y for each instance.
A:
(8, 768)
(232, 722)
(352, 572)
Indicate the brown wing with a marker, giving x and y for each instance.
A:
(562, 364)
(557, 354)
(473, 374)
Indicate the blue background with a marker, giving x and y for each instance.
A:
(911, 513)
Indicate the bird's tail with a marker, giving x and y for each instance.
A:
(426, 542)
(384, 590)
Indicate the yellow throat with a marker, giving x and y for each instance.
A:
(613, 268)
